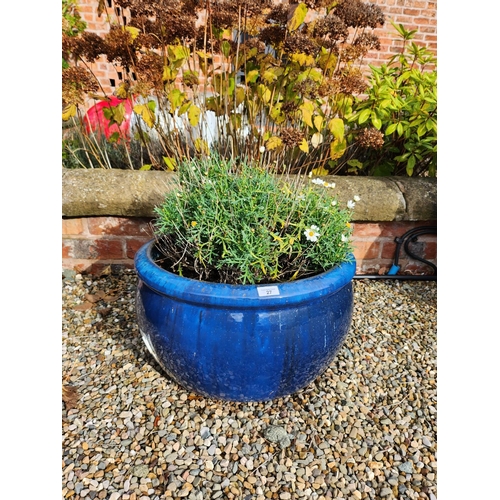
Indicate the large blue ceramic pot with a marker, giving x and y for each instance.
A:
(242, 342)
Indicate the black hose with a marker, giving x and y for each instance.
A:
(410, 236)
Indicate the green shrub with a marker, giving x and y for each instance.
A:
(394, 129)
(238, 223)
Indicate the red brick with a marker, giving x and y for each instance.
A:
(418, 4)
(384, 229)
(133, 245)
(430, 251)
(85, 9)
(388, 250)
(366, 249)
(119, 226)
(407, 21)
(424, 21)
(98, 249)
(72, 226)
(67, 249)
(366, 229)
(411, 12)
(106, 249)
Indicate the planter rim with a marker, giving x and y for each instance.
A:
(240, 296)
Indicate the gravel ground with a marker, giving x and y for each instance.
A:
(366, 428)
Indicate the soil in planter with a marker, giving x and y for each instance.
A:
(170, 256)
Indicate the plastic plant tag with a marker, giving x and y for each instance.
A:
(268, 291)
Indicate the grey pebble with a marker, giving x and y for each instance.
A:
(140, 470)
(277, 434)
(406, 467)
(135, 431)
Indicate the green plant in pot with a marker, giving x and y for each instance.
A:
(245, 293)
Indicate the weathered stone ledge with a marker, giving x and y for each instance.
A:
(128, 193)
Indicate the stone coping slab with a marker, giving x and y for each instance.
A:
(133, 193)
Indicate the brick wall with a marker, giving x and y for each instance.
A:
(417, 15)
(91, 244)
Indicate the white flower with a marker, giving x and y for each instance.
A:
(351, 204)
(330, 185)
(301, 197)
(344, 238)
(334, 203)
(311, 233)
(356, 198)
(318, 181)
(262, 149)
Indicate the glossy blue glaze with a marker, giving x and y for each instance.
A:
(242, 342)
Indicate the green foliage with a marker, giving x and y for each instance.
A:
(402, 104)
(238, 223)
(257, 80)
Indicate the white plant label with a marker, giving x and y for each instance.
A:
(268, 291)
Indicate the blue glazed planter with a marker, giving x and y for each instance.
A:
(242, 342)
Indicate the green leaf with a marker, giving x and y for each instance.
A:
(240, 95)
(226, 48)
(364, 115)
(298, 17)
(171, 163)
(307, 109)
(114, 137)
(145, 113)
(318, 122)
(410, 165)
(264, 93)
(169, 74)
(303, 59)
(269, 76)
(194, 115)
(178, 52)
(134, 32)
(184, 108)
(276, 114)
(320, 171)
(273, 143)
(176, 98)
(252, 76)
(422, 129)
(337, 149)
(391, 128)
(115, 114)
(304, 146)
(201, 146)
(336, 126)
(356, 164)
(400, 129)
(309, 74)
(376, 121)
(68, 112)
(146, 166)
